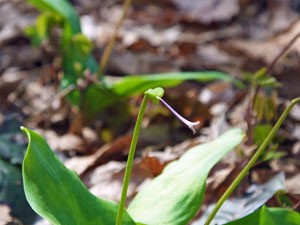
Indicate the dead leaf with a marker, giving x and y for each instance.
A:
(6, 218)
(208, 12)
(106, 180)
(156, 161)
(293, 184)
(117, 149)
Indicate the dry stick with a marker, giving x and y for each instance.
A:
(108, 50)
(256, 89)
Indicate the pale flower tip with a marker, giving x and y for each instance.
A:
(192, 125)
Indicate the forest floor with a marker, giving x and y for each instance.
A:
(238, 37)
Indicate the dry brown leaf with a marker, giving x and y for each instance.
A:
(6, 218)
(217, 92)
(208, 11)
(156, 161)
(293, 184)
(115, 150)
(106, 180)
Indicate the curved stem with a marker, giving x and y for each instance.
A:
(252, 161)
(130, 159)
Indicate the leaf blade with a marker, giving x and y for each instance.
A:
(136, 84)
(174, 197)
(57, 194)
(269, 216)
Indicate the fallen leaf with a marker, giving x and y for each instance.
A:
(208, 12)
(107, 152)
(106, 180)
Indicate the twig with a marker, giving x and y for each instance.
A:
(108, 50)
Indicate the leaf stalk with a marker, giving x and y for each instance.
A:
(130, 160)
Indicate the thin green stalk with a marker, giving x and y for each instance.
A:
(130, 159)
(252, 161)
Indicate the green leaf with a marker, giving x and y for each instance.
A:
(61, 7)
(137, 84)
(174, 197)
(77, 59)
(96, 98)
(269, 216)
(154, 93)
(260, 133)
(44, 24)
(57, 194)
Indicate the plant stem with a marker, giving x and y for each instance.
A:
(252, 161)
(130, 158)
(108, 50)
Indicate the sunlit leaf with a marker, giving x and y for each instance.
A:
(174, 197)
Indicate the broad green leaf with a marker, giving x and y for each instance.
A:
(131, 85)
(61, 7)
(57, 194)
(269, 216)
(174, 197)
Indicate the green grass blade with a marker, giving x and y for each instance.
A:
(57, 194)
(174, 197)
